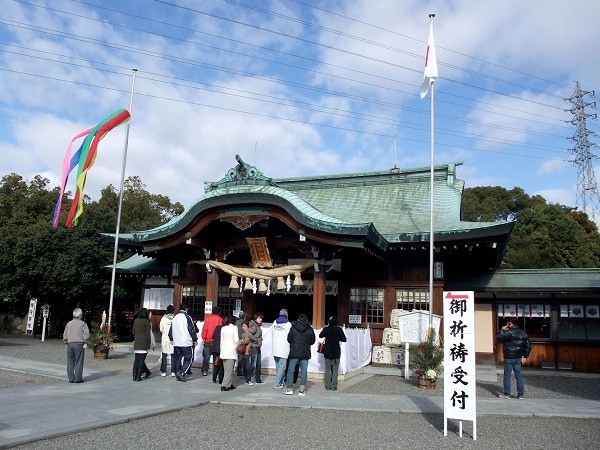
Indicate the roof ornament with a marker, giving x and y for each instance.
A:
(242, 173)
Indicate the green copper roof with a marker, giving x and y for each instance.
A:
(398, 206)
(534, 280)
(386, 207)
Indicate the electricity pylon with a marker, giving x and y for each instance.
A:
(588, 199)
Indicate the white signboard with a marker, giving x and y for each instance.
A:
(31, 314)
(459, 359)
(158, 298)
(207, 307)
(355, 319)
(414, 325)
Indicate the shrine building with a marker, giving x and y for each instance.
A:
(357, 246)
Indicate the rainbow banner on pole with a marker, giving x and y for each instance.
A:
(84, 159)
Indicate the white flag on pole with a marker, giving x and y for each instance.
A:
(431, 71)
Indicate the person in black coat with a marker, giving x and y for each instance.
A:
(301, 337)
(215, 349)
(141, 344)
(516, 351)
(333, 335)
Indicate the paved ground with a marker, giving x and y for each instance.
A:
(369, 410)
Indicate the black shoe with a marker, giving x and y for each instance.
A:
(179, 376)
(214, 380)
(146, 374)
(232, 387)
(80, 381)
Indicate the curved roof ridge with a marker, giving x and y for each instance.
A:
(312, 213)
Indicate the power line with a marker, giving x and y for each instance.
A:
(288, 119)
(307, 106)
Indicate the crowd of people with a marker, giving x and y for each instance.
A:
(237, 341)
(230, 341)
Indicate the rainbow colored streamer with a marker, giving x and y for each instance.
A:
(84, 158)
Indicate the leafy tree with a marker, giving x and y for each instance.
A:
(67, 267)
(545, 235)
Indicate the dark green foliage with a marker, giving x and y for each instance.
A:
(545, 235)
(65, 267)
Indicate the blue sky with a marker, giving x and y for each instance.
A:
(296, 87)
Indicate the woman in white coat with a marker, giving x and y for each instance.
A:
(229, 342)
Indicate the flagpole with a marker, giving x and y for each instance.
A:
(431, 175)
(123, 165)
(431, 245)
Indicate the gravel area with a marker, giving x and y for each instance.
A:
(230, 426)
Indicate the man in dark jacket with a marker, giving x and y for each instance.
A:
(332, 352)
(516, 352)
(301, 337)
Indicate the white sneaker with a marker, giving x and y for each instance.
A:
(288, 392)
(301, 393)
(163, 374)
(173, 374)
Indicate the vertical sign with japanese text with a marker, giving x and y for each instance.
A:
(31, 315)
(459, 357)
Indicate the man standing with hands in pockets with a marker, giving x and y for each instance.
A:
(516, 352)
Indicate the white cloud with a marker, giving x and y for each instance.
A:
(562, 196)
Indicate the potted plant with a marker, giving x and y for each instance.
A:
(101, 340)
(427, 361)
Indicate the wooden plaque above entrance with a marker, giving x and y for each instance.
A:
(260, 253)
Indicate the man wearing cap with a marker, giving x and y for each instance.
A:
(281, 346)
(76, 335)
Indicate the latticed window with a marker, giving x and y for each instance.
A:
(194, 296)
(409, 299)
(229, 300)
(368, 303)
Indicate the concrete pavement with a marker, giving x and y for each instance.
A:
(110, 397)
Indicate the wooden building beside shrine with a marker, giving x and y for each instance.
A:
(353, 245)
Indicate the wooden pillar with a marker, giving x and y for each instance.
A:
(318, 315)
(212, 287)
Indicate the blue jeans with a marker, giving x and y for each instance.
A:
(513, 365)
(163, 363)
(303, 372)
(255, 365)
(279, 370)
